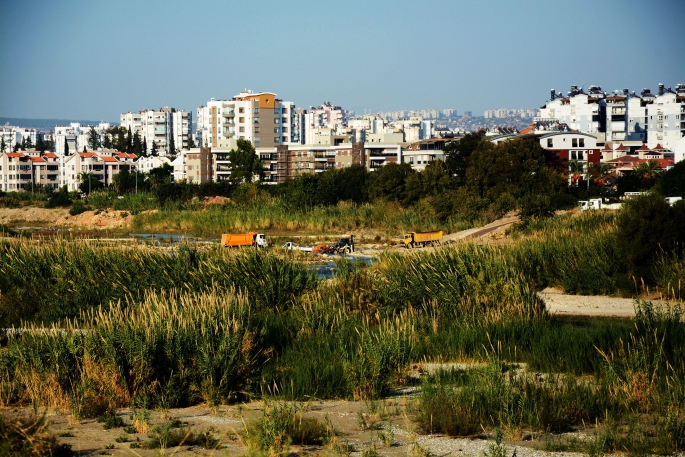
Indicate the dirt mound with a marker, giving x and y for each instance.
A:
(214, 201)
(105, 219)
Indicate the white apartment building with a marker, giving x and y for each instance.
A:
(13, 135)
(147, 164)
(579, 110)
(103, 164)
(666, 123)
(76, 136)
(259, 117)
(160, 127)
(23, 171)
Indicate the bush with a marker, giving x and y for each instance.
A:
(646, 227)
(29, 438)
(77, 208)
(59, 198)
(101, 199)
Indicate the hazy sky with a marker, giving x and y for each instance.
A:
(95, 59)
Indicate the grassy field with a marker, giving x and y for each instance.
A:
(114, 326)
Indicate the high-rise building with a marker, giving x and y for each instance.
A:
(259, 117)
(160, 127)
(75, 136)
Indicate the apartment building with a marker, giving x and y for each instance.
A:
(160, 127)
(13, 135)
(259, 117)
(584, 112)
(76, 136)
(103, 164)
(23, 171)
(666, 118)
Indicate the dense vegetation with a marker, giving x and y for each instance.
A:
(145, 328)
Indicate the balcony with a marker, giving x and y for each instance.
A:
(228, 113)
(229, 122)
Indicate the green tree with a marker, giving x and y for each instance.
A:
(93, 139)
(66, 147)
(518, 167)
(191, 142)
(129, 141)
(172, 147)
(646, 227)
(89, 183)
(17, 147)
(3, 145)
(672, 182)
(40, 144)
(145, 153)
(107, 141)
(458, 154)
(576, 171)
(153, 150)
(160, 175)
(137, 145)
(389, 181)
(245, 164)
(646, 170)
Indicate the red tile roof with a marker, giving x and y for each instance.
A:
(621, 148)
(658, 147)
(643, 148)
(108, 159)
(607, 148)
(37, 159)
(15, 154)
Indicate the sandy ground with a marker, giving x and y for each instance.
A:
(60, 217)
(385, 424)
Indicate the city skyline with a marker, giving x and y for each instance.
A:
(91, 61)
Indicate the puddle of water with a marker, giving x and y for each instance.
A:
(329, 270)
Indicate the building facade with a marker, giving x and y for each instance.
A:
(160, 127)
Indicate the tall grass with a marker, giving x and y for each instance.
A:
(152, 328)
(49, 281)
(172, 348)
(274, 215)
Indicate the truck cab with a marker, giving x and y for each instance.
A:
(260, 241)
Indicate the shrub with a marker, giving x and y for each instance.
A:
(646, 226)
(29, 438)
(77, 208)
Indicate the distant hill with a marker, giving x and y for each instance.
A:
(45, 124)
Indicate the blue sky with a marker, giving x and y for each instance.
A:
(95, 59)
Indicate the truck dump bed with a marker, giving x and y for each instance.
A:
(234, 240)
(423, 237)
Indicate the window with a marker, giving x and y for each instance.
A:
(549, 142)
(256, 139)
(574, 142)
(241, 129)
(241, 110)
(285, 138)
(284, 120)
(276, 139)
(277, 130)
(241, 119)
(573, 155)
(581, 142)
(256, 130)
(256, 120)
(256, 110)
(277, 121)
(580, 155)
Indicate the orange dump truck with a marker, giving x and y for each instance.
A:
(229, 240)
(414, 239)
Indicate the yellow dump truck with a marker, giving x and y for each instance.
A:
(230, 240)
(415, 239)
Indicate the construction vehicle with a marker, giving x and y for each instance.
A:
(258, 240)
(342, 246)
(415, 239)
(593, 203)
(291, 247)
